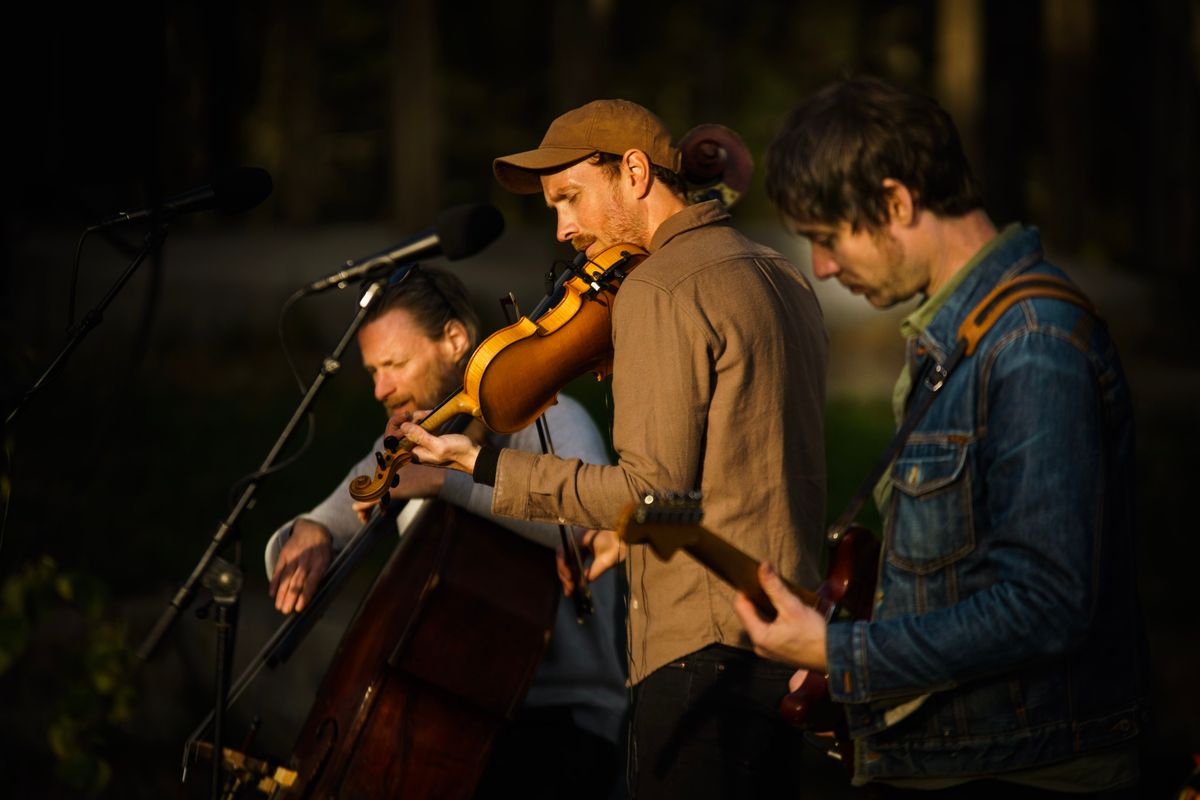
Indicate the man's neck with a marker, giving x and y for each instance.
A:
(951, 243)
(662, 204)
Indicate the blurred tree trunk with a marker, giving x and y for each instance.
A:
(1173, 169)
(579, 31)
(1069, 39)
(958, 69)
(285, 127)
(1012, 119)
(416, 152)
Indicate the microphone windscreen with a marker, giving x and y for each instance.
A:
(241, 189)
(465, 230)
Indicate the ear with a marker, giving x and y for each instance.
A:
(635, 172)
(901, 204)
(456, 340)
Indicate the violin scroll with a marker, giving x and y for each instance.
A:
(397, 451)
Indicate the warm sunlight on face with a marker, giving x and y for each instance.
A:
(411, 371)
(593, 212)
(869, 262)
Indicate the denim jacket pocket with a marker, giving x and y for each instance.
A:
(932, 484)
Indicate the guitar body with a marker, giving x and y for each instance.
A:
(849, 586)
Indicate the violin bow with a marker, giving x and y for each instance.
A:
(582, 594)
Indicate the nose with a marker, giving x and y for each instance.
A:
(823, 263)
(384, 385)
(567, 229)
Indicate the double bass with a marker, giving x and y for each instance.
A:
(437, 658)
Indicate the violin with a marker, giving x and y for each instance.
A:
(515, 374)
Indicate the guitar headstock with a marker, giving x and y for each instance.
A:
(666, 522)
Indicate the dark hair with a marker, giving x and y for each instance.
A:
(611, 163)
(433, 297)
(829, 161)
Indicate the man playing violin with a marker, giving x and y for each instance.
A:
(718, 386)
(414, 346)
(1003, 654)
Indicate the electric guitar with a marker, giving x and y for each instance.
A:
(670, 523)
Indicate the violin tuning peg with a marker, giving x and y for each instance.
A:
(395, 480)
(391, 443)
(380, 460)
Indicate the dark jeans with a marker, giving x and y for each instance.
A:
(708, 725)
(543, 755)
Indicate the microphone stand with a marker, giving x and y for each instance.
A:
(154, 240)
(223, 577)
(296, 626)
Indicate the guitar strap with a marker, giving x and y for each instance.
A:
(933, 375)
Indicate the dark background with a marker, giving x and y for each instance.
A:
(1081, 118)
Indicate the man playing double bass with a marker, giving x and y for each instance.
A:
(718, 386)
(1003, 655)
(414, 346)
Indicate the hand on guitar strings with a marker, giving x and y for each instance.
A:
(606, 549)
(797, 634)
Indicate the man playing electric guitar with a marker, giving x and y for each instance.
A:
(1003, 655)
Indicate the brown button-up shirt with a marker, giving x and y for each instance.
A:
(718, 385)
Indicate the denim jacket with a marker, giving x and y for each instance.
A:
(1005, 633)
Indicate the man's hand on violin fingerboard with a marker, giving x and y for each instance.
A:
(453, 450)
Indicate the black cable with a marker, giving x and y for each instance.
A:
(75, 278)
(287, 354)
(235, 490)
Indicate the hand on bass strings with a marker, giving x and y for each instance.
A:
(797, 634)
(606, 549)
(301, 564)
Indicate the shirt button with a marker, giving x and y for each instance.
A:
(633, 604)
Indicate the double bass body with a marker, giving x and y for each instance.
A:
(438, 657)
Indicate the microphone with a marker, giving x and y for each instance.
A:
(457, 232)
(234, 191)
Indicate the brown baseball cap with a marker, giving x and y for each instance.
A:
(601, 126)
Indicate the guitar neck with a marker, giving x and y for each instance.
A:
(738, 569)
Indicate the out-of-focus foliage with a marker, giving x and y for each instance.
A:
(66, 673)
